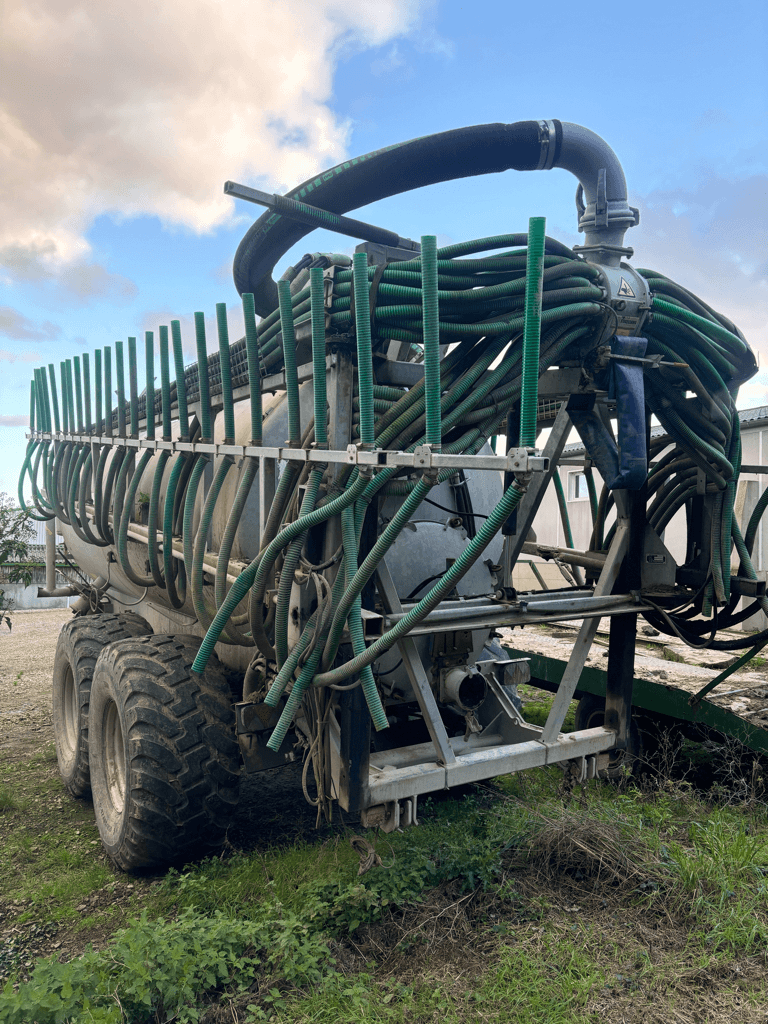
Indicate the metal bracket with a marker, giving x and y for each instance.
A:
(422, 456)
(521, 460)
(488, 671)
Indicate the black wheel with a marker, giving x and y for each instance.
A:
(164, 756)
(590, 713)
(81, 641)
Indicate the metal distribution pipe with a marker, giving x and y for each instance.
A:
(588, 559)
(580, 604)
(50, 589)
(511, 618)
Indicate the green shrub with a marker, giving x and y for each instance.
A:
(158, 970)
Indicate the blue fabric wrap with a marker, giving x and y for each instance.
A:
(625, 466)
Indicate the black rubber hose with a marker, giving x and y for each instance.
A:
(460, 153)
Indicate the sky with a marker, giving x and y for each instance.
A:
(120, 122)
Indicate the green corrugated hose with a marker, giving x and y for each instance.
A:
(481, 306)
(532, 331)
(289, 356)
(431, 335)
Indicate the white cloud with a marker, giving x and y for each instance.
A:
(77, 280)
(390, 62)
(20, 357)
(14, 324)
(712, 238)
(147, 108)
(153, 319)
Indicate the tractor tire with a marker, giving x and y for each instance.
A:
(164, 756)
(590, 713)
(81, 641)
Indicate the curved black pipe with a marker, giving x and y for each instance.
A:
(461, 153)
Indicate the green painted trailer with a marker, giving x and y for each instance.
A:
(660, 699)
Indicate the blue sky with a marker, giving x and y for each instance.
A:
(122, 122)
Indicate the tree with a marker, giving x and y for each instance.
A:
(16, 531)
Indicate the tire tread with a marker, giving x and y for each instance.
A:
(183, 755)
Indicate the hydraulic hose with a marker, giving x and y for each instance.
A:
(293, 552)
(225, 368)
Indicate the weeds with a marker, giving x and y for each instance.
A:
(8, 802)
(508, 903)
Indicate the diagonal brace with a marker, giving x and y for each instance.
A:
(581, 648)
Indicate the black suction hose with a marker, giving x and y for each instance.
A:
(460, 153)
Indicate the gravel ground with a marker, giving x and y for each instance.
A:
(26, 670)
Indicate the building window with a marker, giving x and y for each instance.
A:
(577, 486)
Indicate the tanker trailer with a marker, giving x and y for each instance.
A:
(301, 550)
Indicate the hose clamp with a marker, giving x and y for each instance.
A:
(547, 144)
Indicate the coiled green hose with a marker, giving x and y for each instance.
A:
(492, 311)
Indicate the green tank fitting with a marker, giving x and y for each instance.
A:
(64, 398)
(165, 384)
(431, 333)
(97, 371)
(108, 390)
(120, 379)
(364, 349)
(289, 358)
(133, 387)
(70, 396)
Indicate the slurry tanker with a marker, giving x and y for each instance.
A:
(302, 547)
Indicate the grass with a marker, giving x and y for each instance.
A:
(522, 900)
(8, 802)
(537, 704)
(52, 857)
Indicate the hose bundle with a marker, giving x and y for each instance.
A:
(463, 314)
